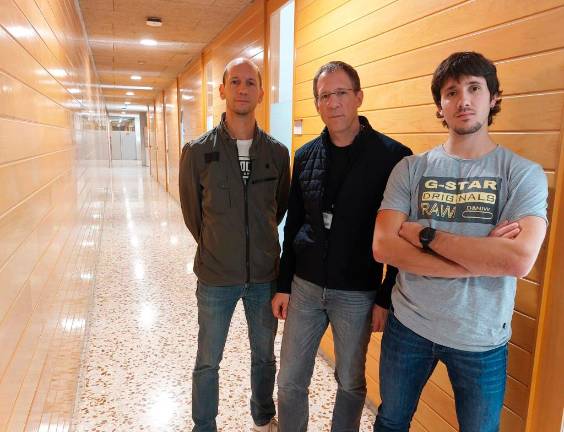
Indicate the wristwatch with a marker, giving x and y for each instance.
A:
(426, 236)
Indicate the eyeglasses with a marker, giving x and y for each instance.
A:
(340, 94)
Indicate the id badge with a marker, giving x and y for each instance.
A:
(327, 219)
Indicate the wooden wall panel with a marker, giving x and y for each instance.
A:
(151, 126)
(15, 226)
(245, 37)
(308, 11)
(49, 137)
(23, 103)
(413, 56)
(172, 137)
(521, 113)
(547, 398)
(42, 139)
(22, 65)
(162, 159)
(422, 61)
(395, 47)
(21, 179)
(374, 23)
(191, 101)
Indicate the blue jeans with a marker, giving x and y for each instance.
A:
(215, 309)
(407, 361)
(310, 311)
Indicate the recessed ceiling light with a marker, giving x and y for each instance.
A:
(20, 31)
(124, 87)
(127, 103)
(129, 94)
(74, 90)
(154, 22)
(148, 42)
(58, 73)
(135, 77)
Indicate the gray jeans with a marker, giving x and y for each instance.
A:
(310, 311)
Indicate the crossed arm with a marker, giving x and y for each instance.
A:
(510, 250)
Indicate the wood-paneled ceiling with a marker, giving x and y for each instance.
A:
(116, 27)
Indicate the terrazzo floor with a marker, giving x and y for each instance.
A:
(142, 329)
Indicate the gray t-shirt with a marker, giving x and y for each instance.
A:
(465, 197)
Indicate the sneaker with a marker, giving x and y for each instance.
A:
(271, 426)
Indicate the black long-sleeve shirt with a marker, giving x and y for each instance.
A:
(340, 257)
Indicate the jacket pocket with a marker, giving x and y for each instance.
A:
(264, 192)
(262, 180)
(217, 198)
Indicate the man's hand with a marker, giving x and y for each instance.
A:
(280, 305)
(379, 317)
(409, 231)
(506, 230)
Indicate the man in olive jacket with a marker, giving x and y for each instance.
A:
(234, 183)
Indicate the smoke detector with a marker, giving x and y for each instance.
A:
(154, 22)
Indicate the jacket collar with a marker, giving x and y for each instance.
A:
(359, 140)
(224, 132)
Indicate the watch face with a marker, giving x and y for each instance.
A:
(426, 235)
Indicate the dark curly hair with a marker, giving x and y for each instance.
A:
(466, 63)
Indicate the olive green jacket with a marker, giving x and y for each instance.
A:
(235, 224)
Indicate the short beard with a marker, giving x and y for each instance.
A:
(469, 130)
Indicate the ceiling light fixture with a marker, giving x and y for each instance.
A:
(154, 22)
(135, 77)
(74, 91)
(124, 87)
(20, 31)
(148, 42)
(127, 103)
(58, 73)
(129, 94)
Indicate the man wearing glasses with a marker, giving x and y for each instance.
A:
(327, 271)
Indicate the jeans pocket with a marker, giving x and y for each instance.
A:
(392, 321)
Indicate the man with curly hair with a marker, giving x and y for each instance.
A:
(461, 222)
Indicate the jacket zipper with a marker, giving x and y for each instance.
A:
(247, 233)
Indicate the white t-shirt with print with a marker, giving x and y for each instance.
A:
(243, 147)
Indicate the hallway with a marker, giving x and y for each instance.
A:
(98, 323)
(141, 332)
